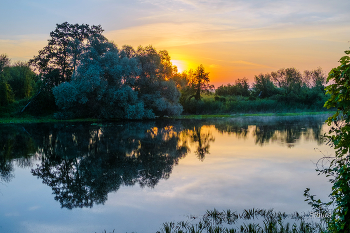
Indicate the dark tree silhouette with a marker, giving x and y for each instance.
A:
(57, 61)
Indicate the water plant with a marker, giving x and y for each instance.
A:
(249, 221)
(339, 165)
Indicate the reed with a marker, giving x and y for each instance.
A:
(249, 221)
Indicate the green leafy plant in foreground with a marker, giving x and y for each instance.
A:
(339, 137)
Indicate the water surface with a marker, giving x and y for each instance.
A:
(133, 176)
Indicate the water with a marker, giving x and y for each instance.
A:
(133, 176)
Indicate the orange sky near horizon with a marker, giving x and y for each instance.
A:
(232, 39)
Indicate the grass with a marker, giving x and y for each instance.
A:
(44, 119)
(243, 105)
(50, 119)
(228, 221)
(235, 106)
(252, 114)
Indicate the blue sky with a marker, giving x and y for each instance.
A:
(232, 39)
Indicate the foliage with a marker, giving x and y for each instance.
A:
(22, 80)
(57, 61)
(97, 88)
(314, 78)
(339, 137)
(123, 84)
(6, 93)
(289, 79)
(286, 86)
(4, 62)
(263, 86)
(237, 104)
(181, 79)
(229, 221)
(154, 84)
(198, 82)
(241, 88)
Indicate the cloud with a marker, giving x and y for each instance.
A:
(12, 214)
(33, 208)
(167, 35)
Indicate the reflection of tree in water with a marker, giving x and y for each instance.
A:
(82, 164)
(241, 131)
(199, 136)
(289, 131)
(286, 130)
(16, 147)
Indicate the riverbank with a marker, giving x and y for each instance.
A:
(253, 114)
(50, 119)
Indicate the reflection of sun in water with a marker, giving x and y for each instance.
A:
(181, 65)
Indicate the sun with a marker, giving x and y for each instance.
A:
(181, 65)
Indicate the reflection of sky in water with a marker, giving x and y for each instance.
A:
(237, 174)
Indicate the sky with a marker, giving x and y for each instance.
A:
(231, 38)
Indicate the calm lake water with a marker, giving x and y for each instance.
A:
(133, 176)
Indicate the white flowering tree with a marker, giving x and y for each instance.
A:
(111, 83)
(155, 85)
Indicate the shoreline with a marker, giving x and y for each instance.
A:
(51, 119)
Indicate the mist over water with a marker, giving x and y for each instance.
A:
(133, 176)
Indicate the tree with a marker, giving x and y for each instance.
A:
(199, 81)
(154, 84)
(4, 62)
(263, 86)
(242, 87)
(339, 137)
(6, 93)
(99, 87)
(22, 80)
(299, 89)
(289, 80)
(123, 84)
(57, 61)
(314, 78)
(181, 80)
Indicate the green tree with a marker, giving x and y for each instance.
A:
(242, 87)
(199, 82)
(154, 84)
(57, 61)
(314, 78)
(22, 80)
(4, 62)
(99, 86)
(6, 93)
(263, 86)
(181, 80)
(339, 137)
(289, 80)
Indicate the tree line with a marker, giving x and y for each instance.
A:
(79, 73)
(17, 81)
(285, 85)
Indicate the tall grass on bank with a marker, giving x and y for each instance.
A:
(238, 104)
(13, 108)
(249, 221)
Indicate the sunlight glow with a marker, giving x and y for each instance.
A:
(181, 65)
